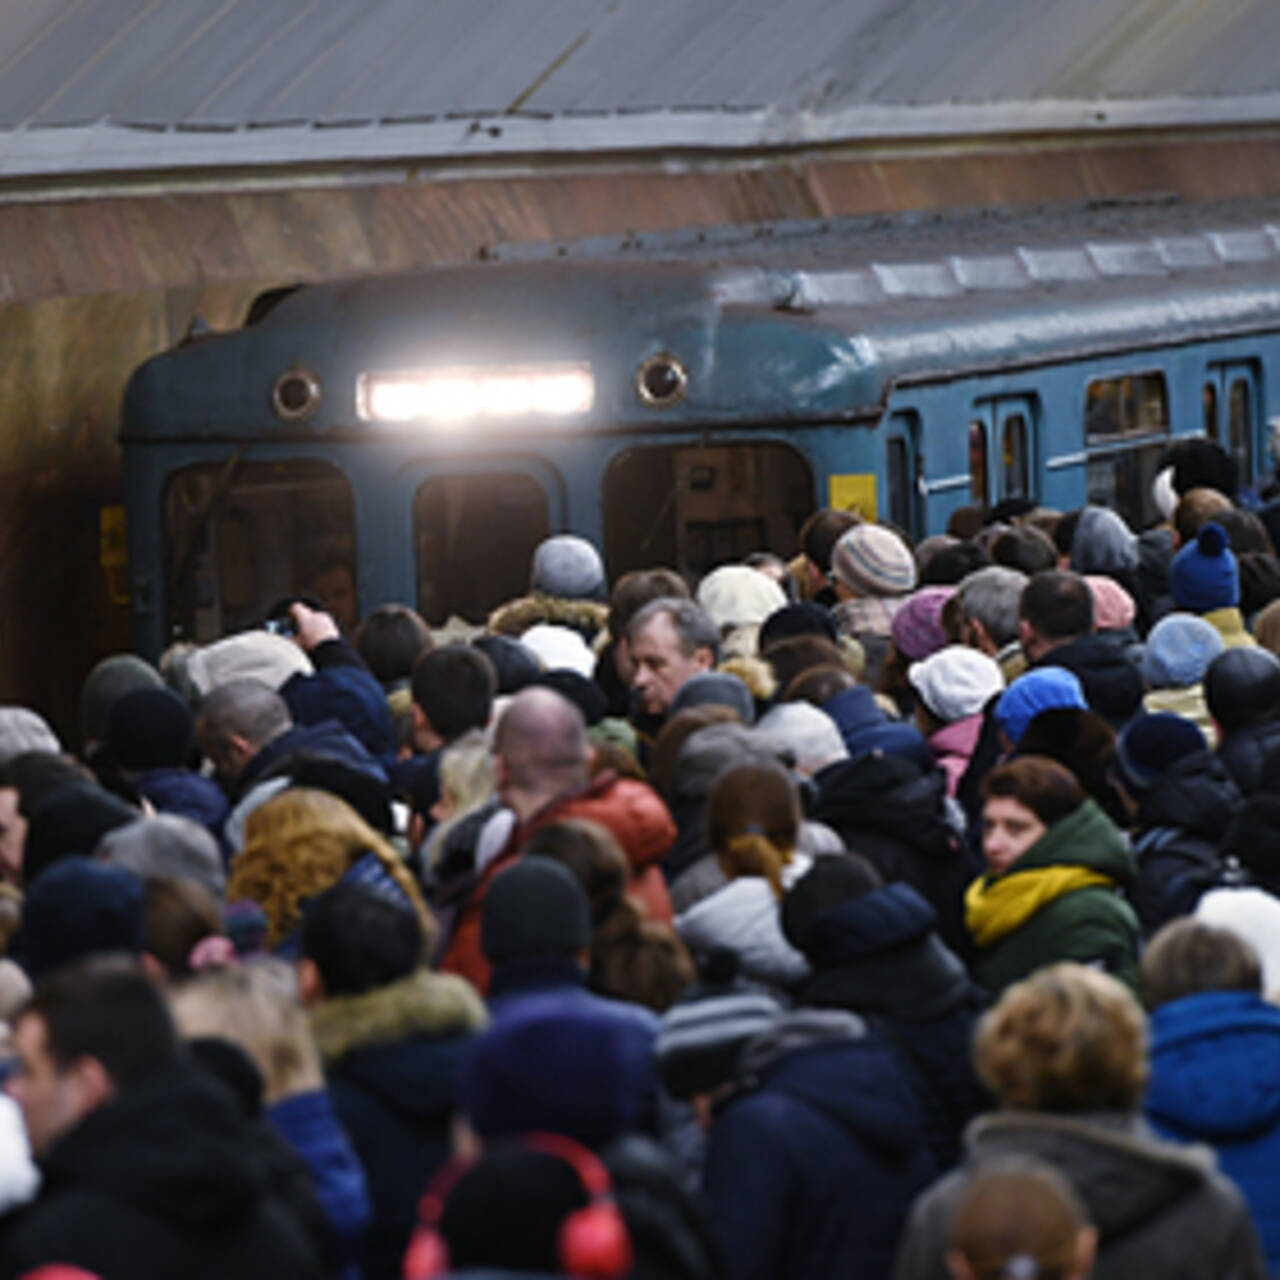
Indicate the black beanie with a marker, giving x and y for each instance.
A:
(150, 729)
(70, 821)
(585, 694)
(1242, 687)
(506, 1211)
(515, 663)
(535, 909)
(828, 883)
(806, 618)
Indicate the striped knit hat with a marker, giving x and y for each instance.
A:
(873, 561)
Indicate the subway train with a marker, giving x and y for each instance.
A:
(686, 398)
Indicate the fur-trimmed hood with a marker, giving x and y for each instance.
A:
(423, 1003)
(515, 617)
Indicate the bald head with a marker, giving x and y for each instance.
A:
(541, 745)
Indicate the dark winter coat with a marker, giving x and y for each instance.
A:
(328, 738)
(855, 711)
(814, 1160)
(1162, 1211)
(1038, 912)
(1215, 1078)
(342, 688)
(879, 956)
(1112, 684)
(1245, 751)
(1181, 821)
(160, 1183)
(893, 814)
(392, 1059)
(182, 792)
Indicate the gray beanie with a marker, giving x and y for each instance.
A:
(708, 751)
(166, 844)
(23, 730)
(716, 688)
(568, 567)
(112, 678)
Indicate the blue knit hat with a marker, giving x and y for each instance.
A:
(1179, 649)
(1204, 575)
(1149, 744)
(1037, 691)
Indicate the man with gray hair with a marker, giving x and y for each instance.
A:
(543, 764)
(670, 640)
(245, 729)
(988, 601)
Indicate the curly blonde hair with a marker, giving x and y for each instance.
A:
(300, 843)
(1067, 1038)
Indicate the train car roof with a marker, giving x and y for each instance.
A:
(164, 85)
(785, 325)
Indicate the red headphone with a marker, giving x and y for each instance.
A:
(593, 1243)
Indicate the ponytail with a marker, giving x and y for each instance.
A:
(752, 853)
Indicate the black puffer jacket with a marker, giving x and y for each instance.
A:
(888, 810)
(1244, 751)
(1112, 684)
(1181, 822)
(161, 1182)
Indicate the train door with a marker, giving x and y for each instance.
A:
(698, 505)
(904, 505)
(473, 530)
(1233, 387)
(1002, 449)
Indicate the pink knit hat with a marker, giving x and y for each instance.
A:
(1113, 606)
(917, 626)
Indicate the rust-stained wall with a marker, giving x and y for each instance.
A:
(91, 286)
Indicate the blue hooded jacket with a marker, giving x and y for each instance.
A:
(814, 1162)
(1215, 1078)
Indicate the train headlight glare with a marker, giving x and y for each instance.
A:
(458, 394)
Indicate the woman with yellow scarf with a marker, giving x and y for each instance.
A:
(1055, 867)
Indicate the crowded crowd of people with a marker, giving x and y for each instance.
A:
(860, 909)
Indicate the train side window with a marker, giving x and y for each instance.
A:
(474, 537)
(978, 462)
(1017, 469)
(243, 535)
(1132, 405)
(1209, 404)
(1240, 426)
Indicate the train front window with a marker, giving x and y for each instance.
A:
(474, 537)
(694, 507)
(242, 535)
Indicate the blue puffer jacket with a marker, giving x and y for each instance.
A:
(1215, 1078)
(342, 688)
(183, 792)
(813, 1164)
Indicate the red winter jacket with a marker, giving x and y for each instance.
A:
(637, 818)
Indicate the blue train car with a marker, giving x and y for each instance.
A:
(687, 399)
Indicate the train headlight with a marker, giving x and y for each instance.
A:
(456, 395)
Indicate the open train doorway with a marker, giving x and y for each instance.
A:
(692, 507)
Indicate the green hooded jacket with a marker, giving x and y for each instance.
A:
(1059, 901)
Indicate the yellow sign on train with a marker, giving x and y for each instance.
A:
(853, 492)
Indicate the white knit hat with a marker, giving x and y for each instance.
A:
(736, 595)
(560, 649)
(253, 655)
(956, 682)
